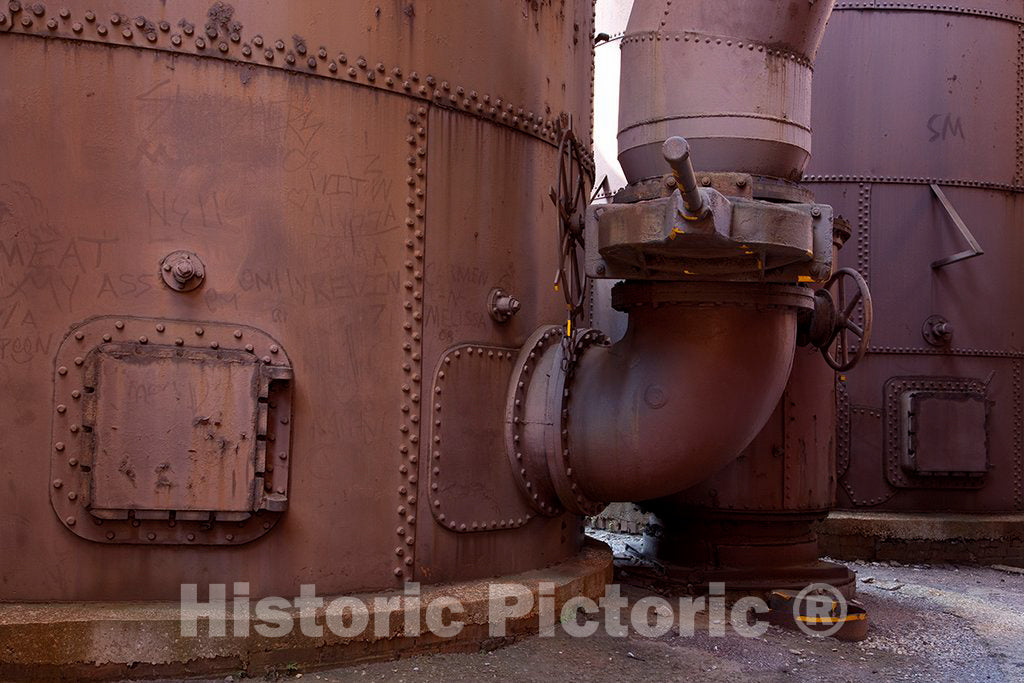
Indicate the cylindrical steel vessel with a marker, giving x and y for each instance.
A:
(927, 162)
(236, 245)
(733, 77)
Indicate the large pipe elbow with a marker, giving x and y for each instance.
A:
(677, 398)
(695, 378)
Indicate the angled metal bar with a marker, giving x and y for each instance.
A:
(975, 249)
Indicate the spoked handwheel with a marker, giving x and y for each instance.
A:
(838, 348)
(570, 199)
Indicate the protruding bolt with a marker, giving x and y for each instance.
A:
(816, 211)
(182, 271)
(502, 305)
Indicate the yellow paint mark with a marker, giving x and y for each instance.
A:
(805, 278)
(833, 620)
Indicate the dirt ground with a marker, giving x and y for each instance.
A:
(928, 623)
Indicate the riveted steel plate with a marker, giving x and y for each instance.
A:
(170, 431)
(471, 485)
(899, 395)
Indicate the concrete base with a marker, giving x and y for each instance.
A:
(923, 537)
(102, 641)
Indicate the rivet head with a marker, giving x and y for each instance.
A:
(191, 537)
(62, 370)
(57, 483)
(151, 536)
(70, 521)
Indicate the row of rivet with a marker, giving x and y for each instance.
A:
(703, 39)
(843, 411)
(551, 336)
(81, 431)
(438, 91)
(579, 346)
(1018, 178)
(443, 517)
(863, 236)
(1018, 437)
(910, 180)
(593, 73)
(412, 344)
(931, 351)
(925, 7)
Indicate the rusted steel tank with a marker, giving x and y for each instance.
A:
(734, 78)
(927, 162)
(241, 246)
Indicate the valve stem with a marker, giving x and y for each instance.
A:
(676, 151)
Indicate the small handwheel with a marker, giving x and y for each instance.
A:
(570, 198)
(837, 349)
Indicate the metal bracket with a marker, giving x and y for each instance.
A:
(975, 249)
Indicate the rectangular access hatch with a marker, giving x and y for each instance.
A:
(175, 429)
(170, 431)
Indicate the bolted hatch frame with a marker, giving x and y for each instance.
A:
(220, 476)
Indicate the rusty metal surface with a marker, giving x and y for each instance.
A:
(753, 520)
(470, 487)
(789, 466)
(667, 366)
(337, 211)
(732, 77)
(952, 122)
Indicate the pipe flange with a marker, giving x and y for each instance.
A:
(559, 460)
(632, 293)
(528, 416)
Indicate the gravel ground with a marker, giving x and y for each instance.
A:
(928, 623)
